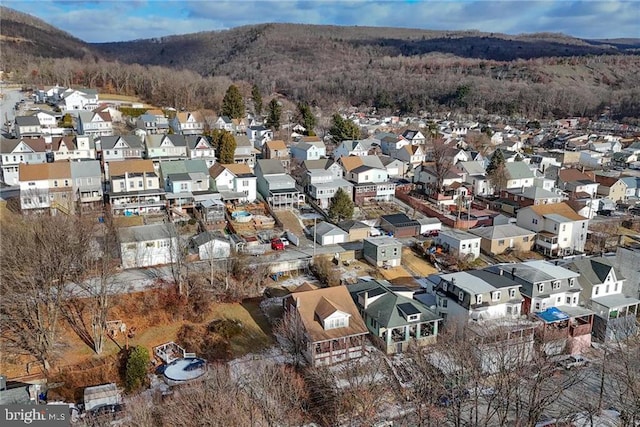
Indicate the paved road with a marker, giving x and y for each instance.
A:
(8, 102)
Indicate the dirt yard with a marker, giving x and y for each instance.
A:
(290, 221)
(416, 264)
(399, 276)
(153, 327)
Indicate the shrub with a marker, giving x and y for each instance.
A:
(136, 372)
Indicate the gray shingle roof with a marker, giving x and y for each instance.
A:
(145, 233)
(501, 232)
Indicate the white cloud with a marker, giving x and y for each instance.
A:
(127, 20)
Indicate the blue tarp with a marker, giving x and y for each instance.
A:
(552, 314)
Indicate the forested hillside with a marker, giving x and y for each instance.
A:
(539, 75)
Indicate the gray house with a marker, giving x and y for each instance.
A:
(382, 251)
(328, 234)
(87, 183)
(276, 186)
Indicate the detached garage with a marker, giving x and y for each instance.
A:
(328, 234)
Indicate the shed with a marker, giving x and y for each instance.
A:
(428, 225)
(101, 395)
(357, 230)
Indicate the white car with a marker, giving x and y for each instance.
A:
(284, 241)
(573, 362)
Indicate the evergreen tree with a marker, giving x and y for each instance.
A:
(257, 100)
(232, 105)
(496, 160)
(274, 114)
(307, 118)
(341, 206)
(227, 148)
(136, 371)
(343, 129)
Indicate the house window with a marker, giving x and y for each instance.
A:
(149, 183)
(443, 302)
(150, 244)
(183, 186)
(572, 282)
(413, 317)
(537, 306)
(130, 184)
(479, 299)
(525, 239)
(460, 295)
(596, 289)
(121, 185)
(55, 183)
(615, 287)
(464, 246)
(555, 284)
(535, 221)
(575, 300)
(66, 182)
(540, 287)
(495, 296)
(558, 300)
(115, 152)
(339, 322)
(500, 242)
(568, 300)
(512, 293)
(140, 184)
(606, 290)
(564, 227)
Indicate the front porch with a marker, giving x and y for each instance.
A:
(396, 340)
(337, 350)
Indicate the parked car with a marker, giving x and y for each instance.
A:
(284, 241)
(573, 362)
(431, 233)
(277, 245)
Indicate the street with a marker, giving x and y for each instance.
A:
(7, 104)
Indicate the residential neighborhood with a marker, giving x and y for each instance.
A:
(386, 247)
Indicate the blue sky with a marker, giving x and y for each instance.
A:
(119, 20)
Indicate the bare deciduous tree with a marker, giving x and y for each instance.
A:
(291, 334)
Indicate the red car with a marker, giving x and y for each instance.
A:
(277, 245)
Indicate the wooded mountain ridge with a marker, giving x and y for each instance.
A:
(390, 68)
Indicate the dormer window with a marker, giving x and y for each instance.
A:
(478, 299)
(512, 293)
(540, 287)
(555, 284)
(461, 295)
(335, 322)
(572, 282)
(495, 296)
(413, 317)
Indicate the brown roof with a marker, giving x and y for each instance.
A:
(155, 112)
(44, 171)
(276, 144)
(216, 170)
(306, 286)
(39, 145)
(104, 115)
(351, 162)
(570, 175)
(310, 139)
(557, 208)
(132, 165)
(606, 181)
(68, 142)
(311, 305)
(239, 169)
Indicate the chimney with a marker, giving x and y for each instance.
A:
(513, 273)
(500, 271)
(366, 299)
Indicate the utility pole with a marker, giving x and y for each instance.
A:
(314, 237)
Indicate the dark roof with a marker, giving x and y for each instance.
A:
(351, 224)
(399, 219)
(408, 309)
(27, 121)
(496, 280)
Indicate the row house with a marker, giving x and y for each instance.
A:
(371, 183)
(199, 147)
(46, 187)
(234, 182)
(86, 177)
(27, 127)
(451, 181)
(188, 123)
(321, 185)
(245, 153)
(153, 123)
(613, 188)
(632, 184)
(321, 165)
(393, 317)
(118, 148)
(277, 149)
(395, 168)
(411, 154)
(77, 147)
(476, 295)
(259, 135)
(135, 188)
(48, 122)
(577, 183)
(530, 196)
(602, 289)
(148, 245)
(224, 123)
(390, 142)
(476, 177)
(499, 239)
(415, 137)
(519, 175)
(560, 230)
(350, 148)
(333, 329)
(276, 186)
(165, 147)
(13, 152)
(544, 284)
(309, 148)
(186, 182)
(95, 123)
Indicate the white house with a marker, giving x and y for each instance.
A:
(519, 175)
(415, 137)
(350, 148)
(258, 135)
(166, 147)
(16, 151)
(411, 154)
(211, 245)
(117, 148)
(235, 182)
(188, 123)
(198, 147)
(460, 243)
(27, 127)
(73, 148)
(561, 231)
(95, 123)
(82, 99)
(148, 245)
(308, 150)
